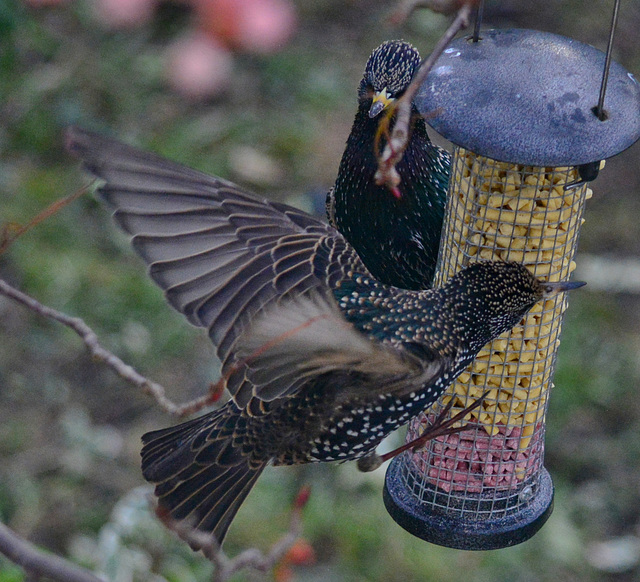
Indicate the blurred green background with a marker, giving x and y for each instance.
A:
(70, 429)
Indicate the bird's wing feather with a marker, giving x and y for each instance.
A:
(306, 337)
(219, 253)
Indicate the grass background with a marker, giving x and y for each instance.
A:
(70, 430)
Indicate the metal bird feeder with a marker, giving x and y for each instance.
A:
(521, 108)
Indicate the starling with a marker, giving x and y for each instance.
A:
(396, 235)
(321, 360)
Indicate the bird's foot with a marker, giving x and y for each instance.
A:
(369, 463)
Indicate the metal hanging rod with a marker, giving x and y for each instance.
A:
(478, 22)
(599, 110)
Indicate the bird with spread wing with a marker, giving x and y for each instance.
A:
(321, 360)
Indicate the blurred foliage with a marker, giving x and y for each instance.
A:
(69, 429)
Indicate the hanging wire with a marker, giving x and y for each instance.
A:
(599, 110)
(478, 22)
(589, 172)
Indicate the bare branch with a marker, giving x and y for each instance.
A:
(10, 232)
(407, 7)
(127, 372)
(101, 354)
(399, 137)
(36, 562)
(251, 558)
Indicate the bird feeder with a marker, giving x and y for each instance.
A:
(521, 108)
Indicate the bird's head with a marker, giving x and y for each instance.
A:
(387, 75)
(497, 295)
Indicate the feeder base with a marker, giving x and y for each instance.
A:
(460, 533)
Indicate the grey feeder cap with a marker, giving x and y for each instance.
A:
(527, 97)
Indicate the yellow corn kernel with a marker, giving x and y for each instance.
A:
(464, 377)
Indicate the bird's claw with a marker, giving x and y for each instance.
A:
(369, 463)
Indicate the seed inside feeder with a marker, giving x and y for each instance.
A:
(509, 212)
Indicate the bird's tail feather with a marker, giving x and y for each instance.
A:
(213, 499)
(199, 475)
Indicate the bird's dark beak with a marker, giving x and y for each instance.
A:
(553, 289)
(381, 101)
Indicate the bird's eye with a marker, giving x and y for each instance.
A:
(366, 92)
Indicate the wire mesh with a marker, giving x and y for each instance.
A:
(510, 212)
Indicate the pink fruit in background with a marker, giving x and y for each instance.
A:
(255, 25)
(198, 67)
(124, 13)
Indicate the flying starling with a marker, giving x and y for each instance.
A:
(396, 235)
(322, 361)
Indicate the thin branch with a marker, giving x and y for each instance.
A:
(252, 558)
(397, 142)
(101, 354)
(127, 372)
(11, 231)
(405, 8)
(8, 234)
(36, 562)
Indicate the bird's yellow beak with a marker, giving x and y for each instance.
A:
(381, 101)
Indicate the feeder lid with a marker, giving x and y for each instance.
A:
(527, 97)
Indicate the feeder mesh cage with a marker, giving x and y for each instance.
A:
(507, 212)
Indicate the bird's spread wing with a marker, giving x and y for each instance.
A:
(219, 253)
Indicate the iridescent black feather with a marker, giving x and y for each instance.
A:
(397, 238)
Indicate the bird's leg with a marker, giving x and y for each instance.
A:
(440, 427)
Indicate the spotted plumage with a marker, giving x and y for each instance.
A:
(321, 360)
(397, 237)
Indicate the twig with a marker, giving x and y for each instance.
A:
(397, 142)
(10, 232)
(38, 563)
(406, 7)
(252, 558)
(127, 372)
(101, 354)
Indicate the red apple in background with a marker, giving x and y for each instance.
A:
(260, 26)
(199, 64)
(198, 67)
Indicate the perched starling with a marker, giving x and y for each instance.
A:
(322, 361)
(396, 236)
